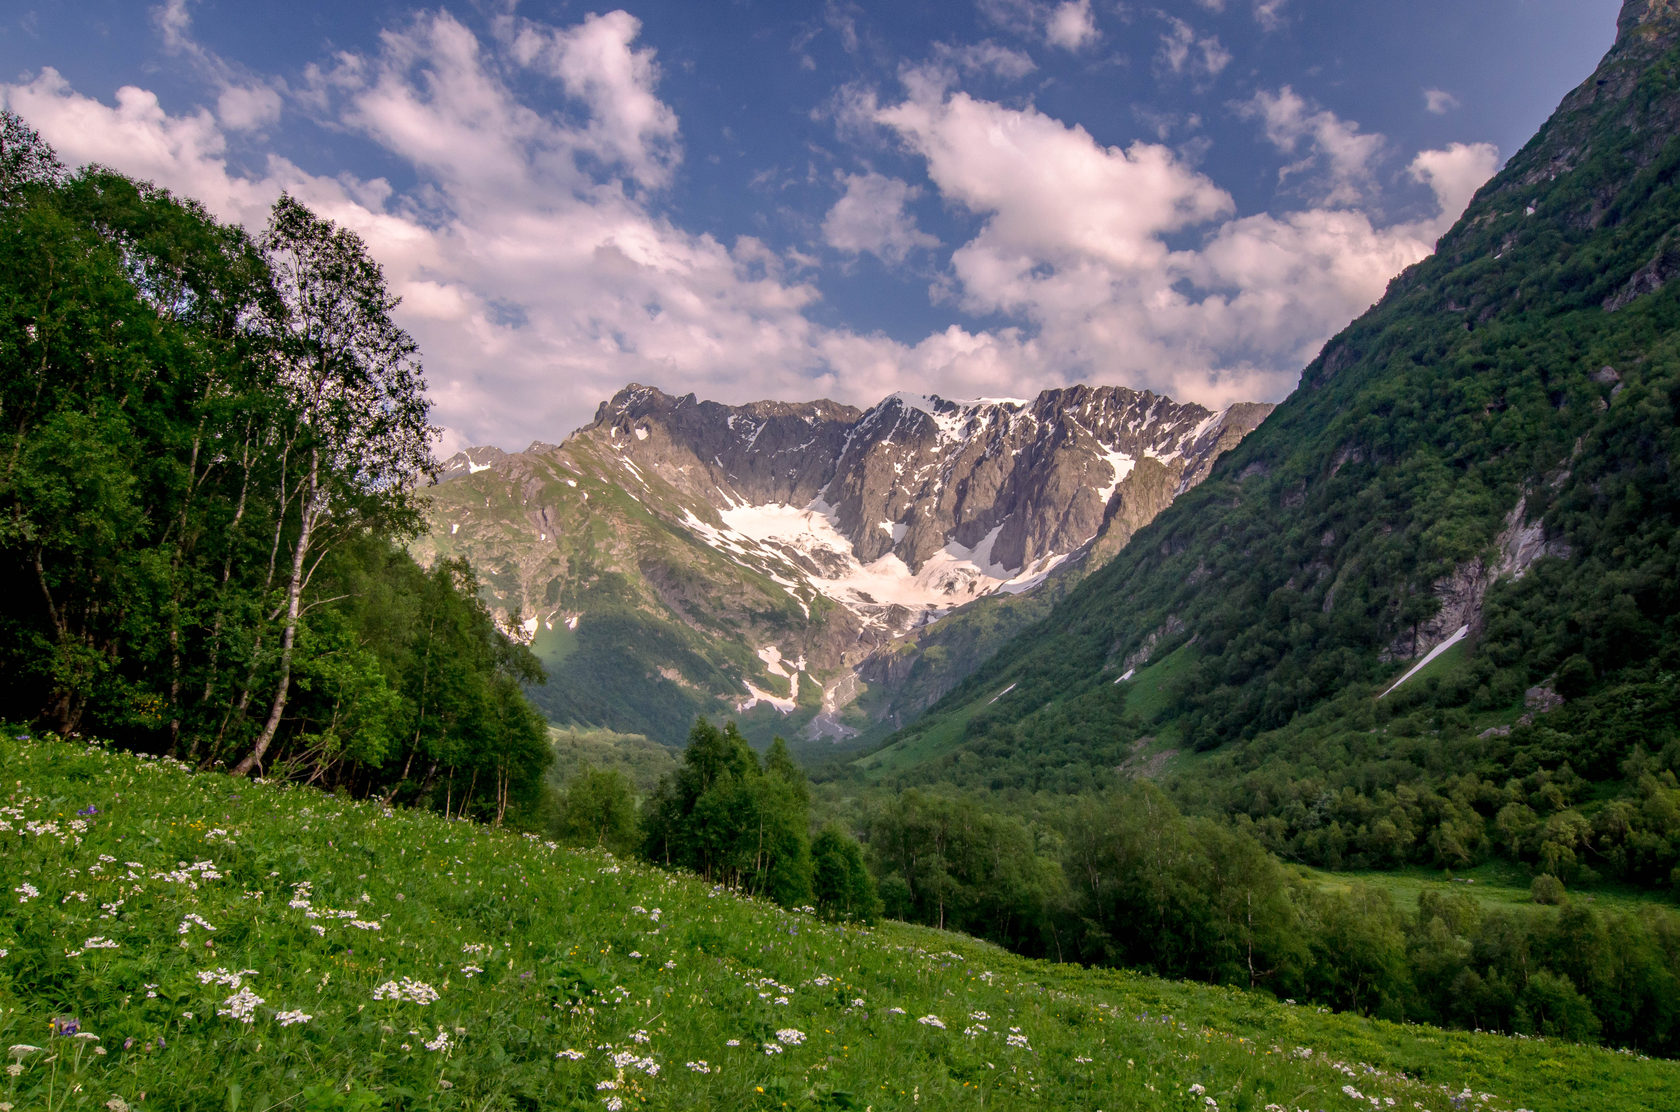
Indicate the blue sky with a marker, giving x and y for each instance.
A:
(765, 198)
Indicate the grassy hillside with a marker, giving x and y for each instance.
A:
(202, 942)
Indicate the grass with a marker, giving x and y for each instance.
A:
(1496, 885)
(223, 944)
(1147, 695)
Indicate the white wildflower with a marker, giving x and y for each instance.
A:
(241, 1006)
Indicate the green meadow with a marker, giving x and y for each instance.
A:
(176, 939)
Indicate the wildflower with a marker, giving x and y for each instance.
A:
(291, 1018)
(64, 1026)
(702, 1066)
(190, 920)
(26, 892)
(570, 1054)
(241, 1006)
(442, 1042)
(410, 990)
(772, 1048)
(470, 970)
(932, 1021)
(1197, 1090)
(733, 1042)
(90, 809)
(789, 1036)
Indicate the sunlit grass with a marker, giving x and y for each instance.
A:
(208, 943)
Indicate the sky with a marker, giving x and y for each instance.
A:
(794, 199)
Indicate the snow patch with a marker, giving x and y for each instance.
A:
(641, 433)
(475, 468)
(454, 528)
(1458, 635)
(1127, 676)
(756, 696)
(1121, 464)
(1000, 694)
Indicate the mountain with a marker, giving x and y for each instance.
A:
(1483, 464)
(677, 557)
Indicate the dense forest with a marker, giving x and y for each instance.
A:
(215, 450)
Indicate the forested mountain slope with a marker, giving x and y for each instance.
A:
(1490, 448)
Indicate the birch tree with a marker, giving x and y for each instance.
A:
(359, 432)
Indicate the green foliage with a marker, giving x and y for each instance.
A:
(840, 881)
(731, 820)
(213, 449)
(1478, 382)
(557, 969)
(598, 810)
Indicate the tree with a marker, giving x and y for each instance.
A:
(598, 810)
(841, 883)
(731, 820)
(352, 378)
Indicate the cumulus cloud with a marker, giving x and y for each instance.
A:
(1076, 235)
(1453, 175)
(1338, 157)
(244, 101)
(1183, 51)
(534, 281)
(1070, 26)
(1439, 102)
(872, 216)
(595, 61)
(540, 273)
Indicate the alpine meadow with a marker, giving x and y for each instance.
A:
(1190, 730)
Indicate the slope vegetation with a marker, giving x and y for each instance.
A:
(188, 941)
(1489, 447)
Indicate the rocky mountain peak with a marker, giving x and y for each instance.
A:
(1638, 12)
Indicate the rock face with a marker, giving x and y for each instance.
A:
(757, 555)
(1015, 483)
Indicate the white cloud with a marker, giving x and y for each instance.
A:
(244, 102)
(871, 216)
(628, 123)
(1439, 101)
(1182, 51)
(1454, 175)
(1052, 187)
(242, 107)
(1075, 236)
(1070, 26)
(1337, 150)
(539, 274)
(1269, 14)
